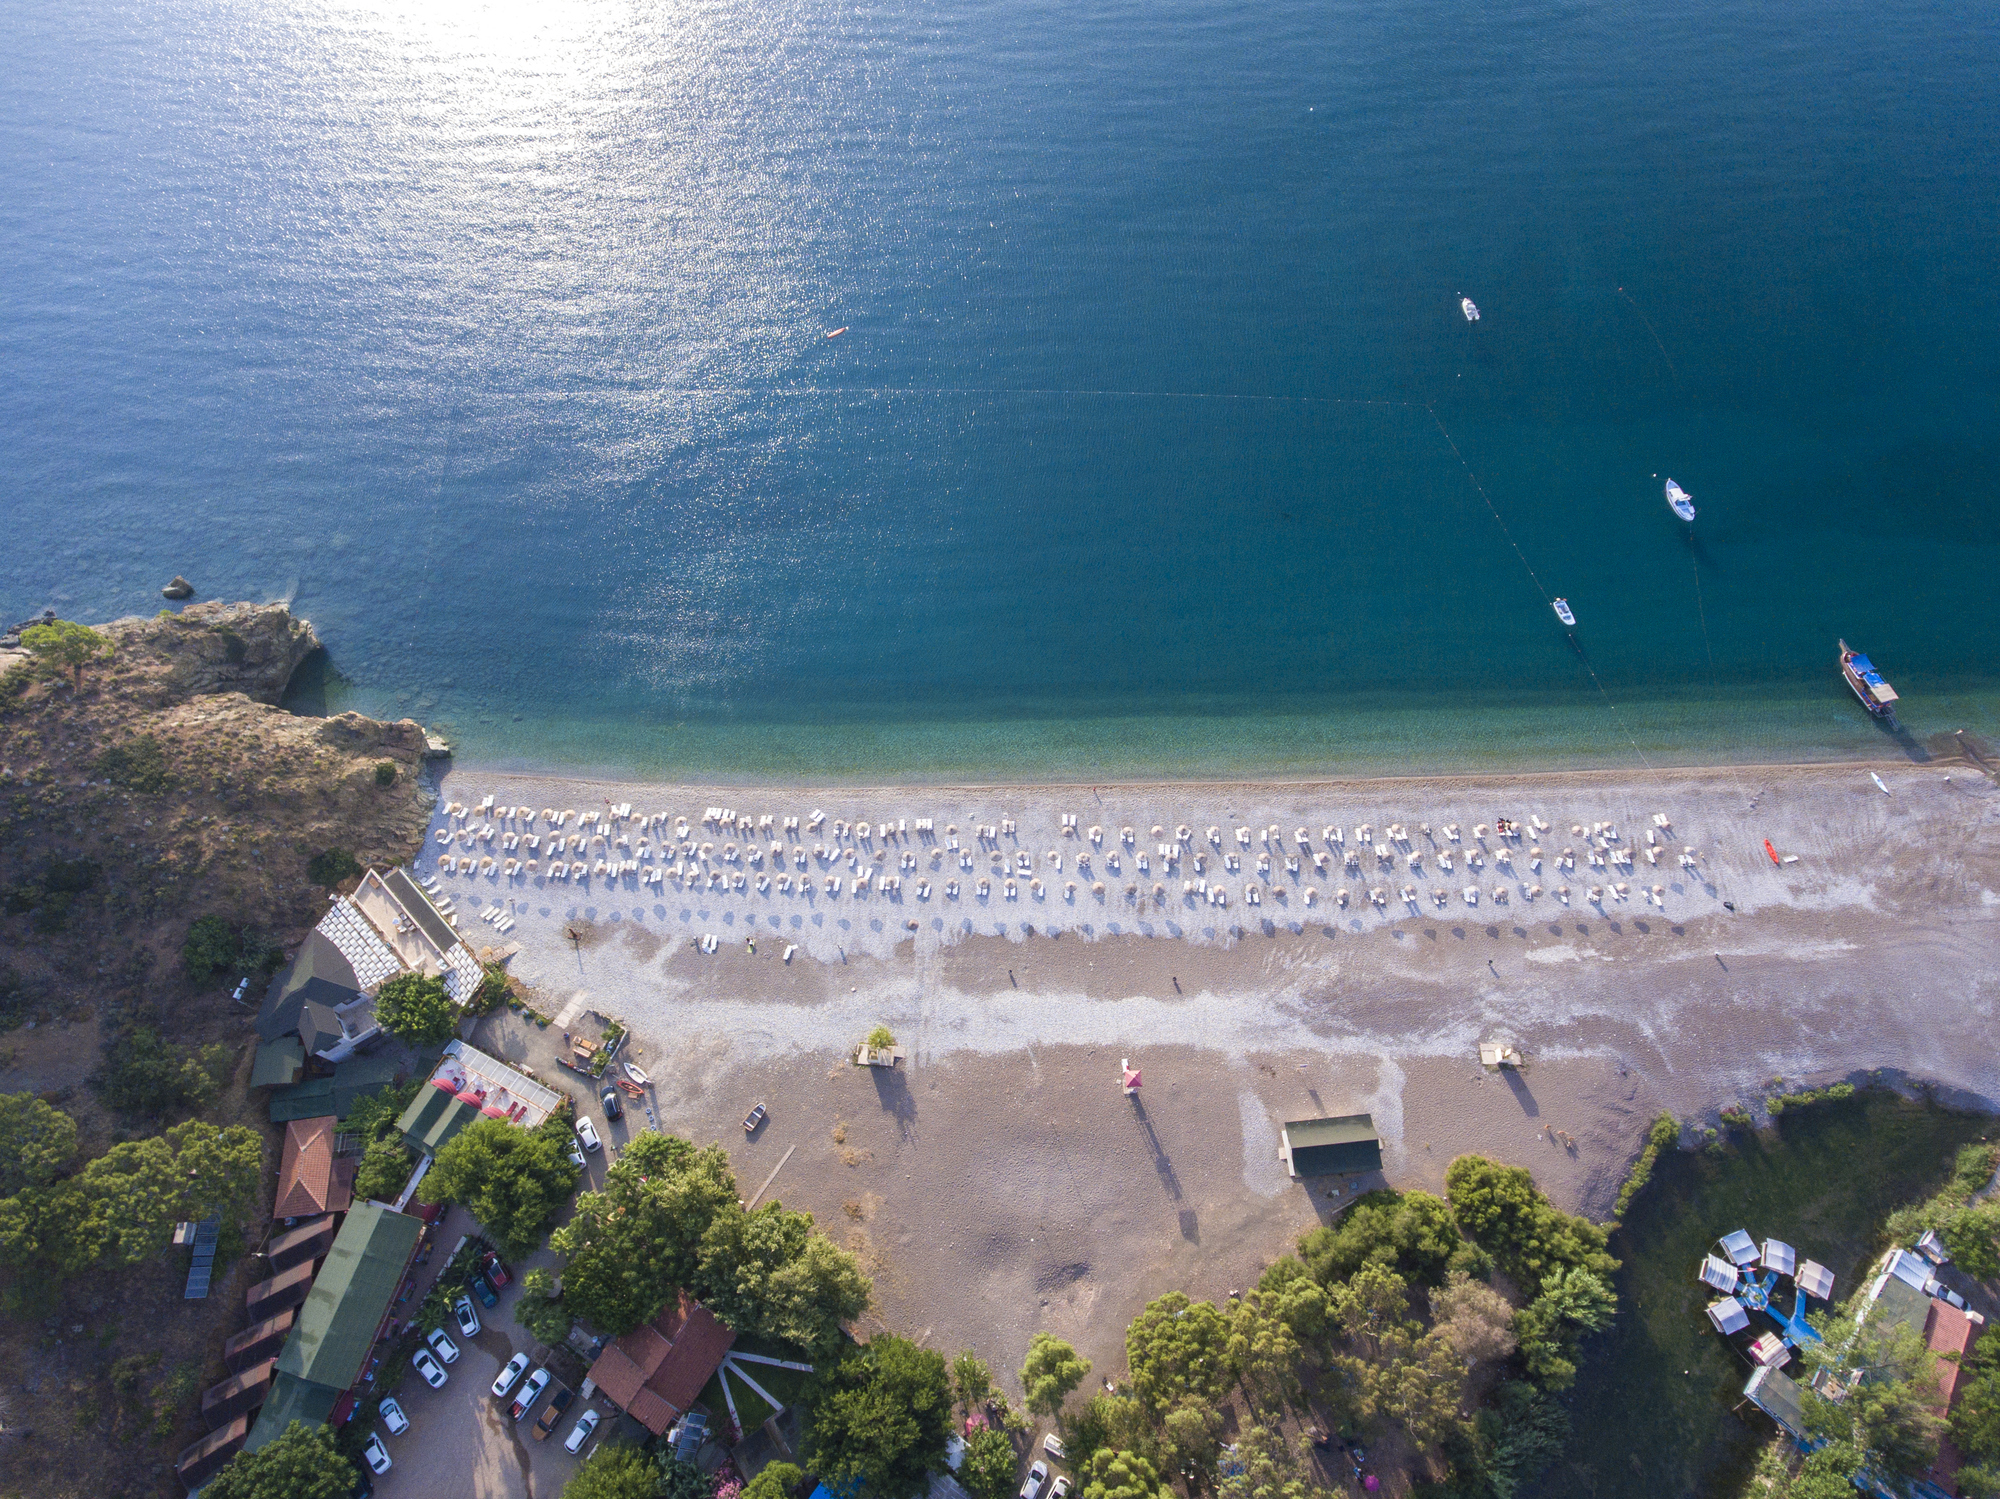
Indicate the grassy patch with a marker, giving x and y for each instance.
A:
(1653, 1401)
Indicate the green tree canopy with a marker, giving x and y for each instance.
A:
(513, 1180)
(971, 1382)
(122, 1206)
(385, 1168)
(635, 1243)
(681, 1479)
(989, 1466)
(1265, 1351)
(1051, 1370)
(880, 1417)
(64, 646)
(1572, 1302)
(777, 1480)
(1291, 1292)
(1889, 1412)
(1827, 1473)
(1413, 1233)
(1122, 1475)
(1502, 1210)
(143, 1075)
(1267, 1467)
(1109, 1422)
(544, 1318)
(37, 1142)
(614, 1471)
(769, 1273)
(1178, 1348)
(302, 1463)
(416, 1007)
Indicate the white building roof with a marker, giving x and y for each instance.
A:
(1815, 1280)
(1728, 1315)
(366, 953)
(1740, 1247)
(1719, 1273)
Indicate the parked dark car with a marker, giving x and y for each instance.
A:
(484, 1292)
(494, 1270)
(613, 1109)
(553, 1414)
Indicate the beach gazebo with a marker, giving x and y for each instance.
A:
(1740, 1247)
(1720, 1274)
(1779, 1256)
(1814, 1280)
(1728, 1315)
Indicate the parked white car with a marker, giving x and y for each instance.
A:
(587, 1132)
(530, 1393)
(428, 1367)
(446, 1349)
(1037, 1476)
(377, 1455)
(515, 1367)
(580, 1433)
(393, 1417)
(468, 1319)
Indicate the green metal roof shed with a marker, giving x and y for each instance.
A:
(352, 1294)
(291, 1399)
(278, 1063)
(433, 1117)
(1322, 1147)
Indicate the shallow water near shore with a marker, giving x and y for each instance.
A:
(1155, 443)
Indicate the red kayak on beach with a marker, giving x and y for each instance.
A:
(1772, 852)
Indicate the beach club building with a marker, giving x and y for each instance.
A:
(1344, 1145)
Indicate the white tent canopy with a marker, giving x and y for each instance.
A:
(1815, 1280)
(1779, 1256)
(1740, 1247)
(1728, 1315)
(1719, 1273)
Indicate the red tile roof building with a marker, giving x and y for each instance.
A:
(1950, 1333)
(656, 1372)
(310, 1180)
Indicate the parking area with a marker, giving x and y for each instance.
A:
(462, 1442)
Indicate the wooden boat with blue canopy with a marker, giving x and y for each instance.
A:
(1876, 695)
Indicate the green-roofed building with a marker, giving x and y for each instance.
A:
(1324, 1147)
(354, 1290)
(278, 1064)
(433, 1117)
(352, 1081)
(291, 1399)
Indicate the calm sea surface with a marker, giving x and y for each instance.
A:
(493, 336)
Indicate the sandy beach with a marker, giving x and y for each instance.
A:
(999, 1182)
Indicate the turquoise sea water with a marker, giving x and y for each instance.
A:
(492, 336)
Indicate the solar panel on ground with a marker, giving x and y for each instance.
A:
(203, 1268)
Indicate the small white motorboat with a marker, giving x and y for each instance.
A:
(637, 1076)
(1563, 612)
(1471, 312)
(1680, 501)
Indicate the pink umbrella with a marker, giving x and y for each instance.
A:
(1129, 1076)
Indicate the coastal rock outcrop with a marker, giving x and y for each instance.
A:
(214, 647)
(180, 588)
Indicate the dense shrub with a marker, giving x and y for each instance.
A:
(136, 765)
(143, 1075)
(1502, 1210)
(331, 866)
(385, 773)
(211, 946)
(1665, 1135)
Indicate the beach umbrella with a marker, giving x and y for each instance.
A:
(1129, 1076)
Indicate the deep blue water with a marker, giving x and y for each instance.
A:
(493, 336)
